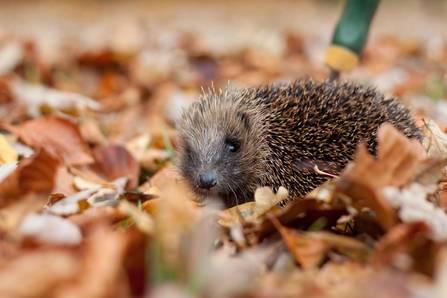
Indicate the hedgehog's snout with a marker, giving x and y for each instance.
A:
(207, 180)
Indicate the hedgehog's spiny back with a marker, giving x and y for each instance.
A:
(321, 124)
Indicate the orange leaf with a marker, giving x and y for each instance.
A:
(59, 137)
(408, 240)
(398, 161)
(34, 175)
(113, 162)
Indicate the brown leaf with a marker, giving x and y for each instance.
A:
(34, 175)
(96, 215)
(47, 228)
(170, 176)
(354, 280)
(407, 246)
(136, 261)
(7, 153)
(101, 274)
(309, 252)
(12, 215)
(87, 174)
(91, 132)
(38, 98)
(63, 183)
(113, 162)
(311, 248)
(137, 197)
(143, 220)
(37, 273)
(396, 165)
(55, 197)
(302, 214)
(59, 137)
(98, 59)
(344, 245)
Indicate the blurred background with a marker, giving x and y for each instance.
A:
(156, 55)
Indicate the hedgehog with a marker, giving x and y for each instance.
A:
(234, 141)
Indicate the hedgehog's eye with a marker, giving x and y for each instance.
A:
(232, 147)
(232, 144)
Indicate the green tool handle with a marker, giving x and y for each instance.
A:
(351, 34)
(353, 27)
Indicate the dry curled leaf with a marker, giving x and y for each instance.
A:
(34, 175)
(407, 246)
(142, 219)
(105, 250)
(38, 272)
(7, 153)
(59, 137)
(398, 160)
(434, 141)
(94, 216)
(265, 199)
(414, 207)
(71, 204)
(36, 97)
(112, 162)
(302, 214)
(50, 229)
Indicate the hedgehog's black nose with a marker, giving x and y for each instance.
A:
(207, 180)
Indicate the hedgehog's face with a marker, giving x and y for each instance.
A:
(218, 154)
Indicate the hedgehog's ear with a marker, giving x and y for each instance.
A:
(244, 119)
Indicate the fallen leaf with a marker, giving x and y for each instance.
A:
(110, 194)
(265, 198)
(70, 204)
(64, 182)
(34, 175)
(138, 146)
(93, 216)
(11, 54)
(396, 165)
(50, 229)
(440, 275)
(101, 273)
(36, 97)
(240, 214)
(413, 207)
(311, 248)
(309, 254)
(7, 153)
(142, 219)
(434, 141)
(38, 273)
(113, 162)
(85, 178)
(23, 150)
(405, 247)
(13, 213)
(344, 245)
(59, 137)
(91, 133)
(7, 169)
(302, 214)
(55, 197)
(170, 176)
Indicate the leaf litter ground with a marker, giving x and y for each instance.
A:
(91, 204)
